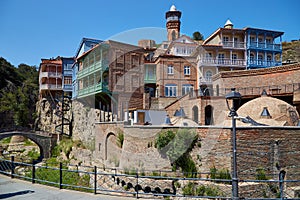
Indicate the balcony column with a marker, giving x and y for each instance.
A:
(256, 40)
(230, 57)
(256, 59)
(265, 40)
(265, 58)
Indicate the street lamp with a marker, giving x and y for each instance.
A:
(235, 98)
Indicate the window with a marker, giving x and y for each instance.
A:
(208, 75)
(187, 70)
(234, 58)
(170, 90)
(235, 41)
(221, 57)
(170, 69)
(225, 41)
(187, 88)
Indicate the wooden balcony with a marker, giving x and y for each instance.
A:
(265, 46)
(50, 75)
(47, 86)
(93, 89)
(87, 70)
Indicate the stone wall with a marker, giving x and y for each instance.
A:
(270, 148)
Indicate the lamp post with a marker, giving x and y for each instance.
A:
(235, 98)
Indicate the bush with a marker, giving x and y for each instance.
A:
(261, 174)
(120, 139)
(163, 139)
(202, 190)
(222, 174)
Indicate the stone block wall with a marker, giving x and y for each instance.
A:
(268, 148)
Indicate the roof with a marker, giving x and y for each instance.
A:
(274, 33)
(228, 23)
(96, 41)
(114, 44)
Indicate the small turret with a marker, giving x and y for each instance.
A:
(228, 24)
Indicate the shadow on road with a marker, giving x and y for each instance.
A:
(8, 195)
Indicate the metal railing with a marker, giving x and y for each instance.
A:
(153, 184)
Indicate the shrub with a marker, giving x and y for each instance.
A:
(163, 139)
(120, 139)
(261, 174)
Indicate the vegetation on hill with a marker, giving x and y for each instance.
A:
(291, 51)
(18, 94)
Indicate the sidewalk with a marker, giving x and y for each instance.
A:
(19, 189)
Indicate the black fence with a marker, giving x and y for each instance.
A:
(151, 184)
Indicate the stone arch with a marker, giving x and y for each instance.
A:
(195, 112)
(208, 115)
(109, 135)
(45, 143)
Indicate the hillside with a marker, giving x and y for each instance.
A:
(291, 51)
(18, 94)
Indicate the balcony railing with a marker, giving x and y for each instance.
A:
(265, 46)
(205, 80)
(90, 69)
(263, 64)
(93, 89)
(150, 79)
(50, 75)
(223, 62)
(50, 87)
(67, 87)
(234, 45)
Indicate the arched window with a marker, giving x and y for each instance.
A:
(218, 90)
(173, 35)
(208, 115)
(208, 75)
(195, 114)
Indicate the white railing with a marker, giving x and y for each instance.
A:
(225, 61)
(232, 44)
(50, 75)
(205, 80)
(50, 87)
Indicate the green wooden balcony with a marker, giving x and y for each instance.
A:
(93, 89)
(86, 71)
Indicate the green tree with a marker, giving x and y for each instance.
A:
(197, 36)
(18, 93)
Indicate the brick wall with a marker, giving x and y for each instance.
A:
(282, 75)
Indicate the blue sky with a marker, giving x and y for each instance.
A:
(35, 29)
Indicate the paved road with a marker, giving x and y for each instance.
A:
(18, 189)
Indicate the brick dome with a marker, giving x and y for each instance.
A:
(270, 111)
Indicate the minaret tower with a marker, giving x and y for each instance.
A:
(173, 23)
